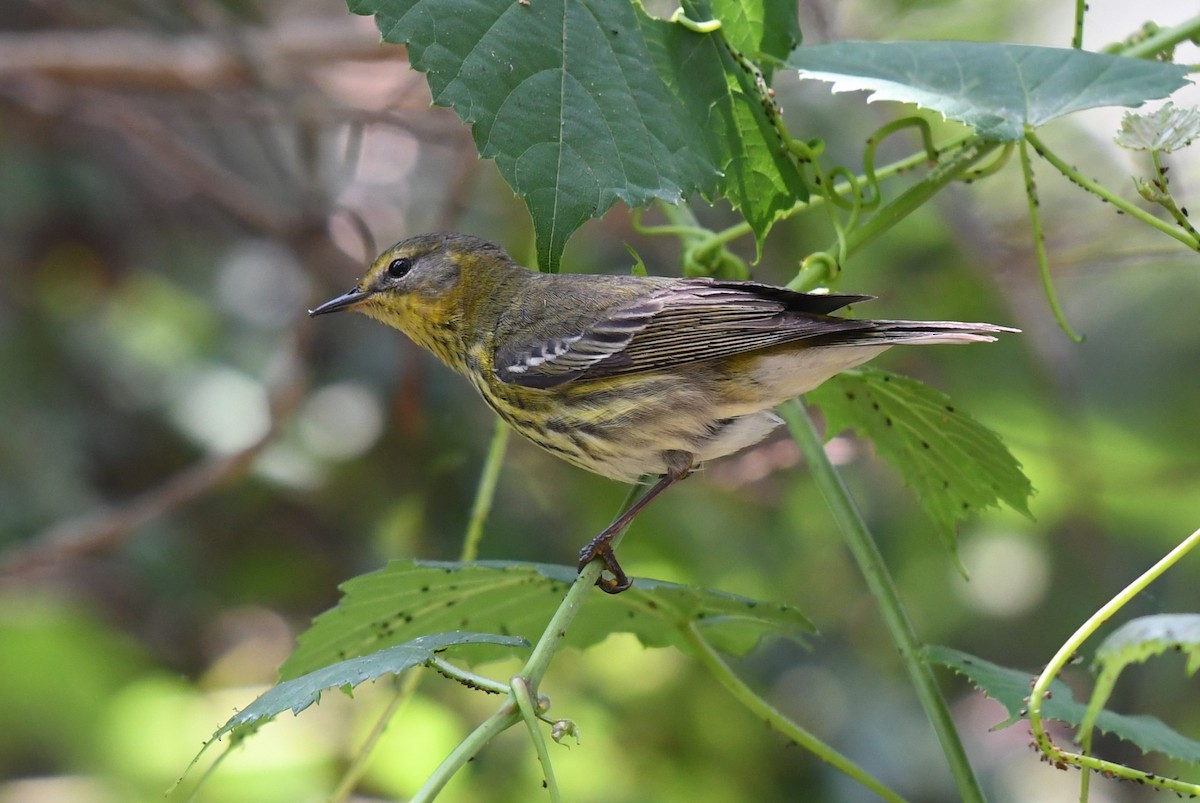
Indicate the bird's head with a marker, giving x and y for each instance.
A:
(424, 282)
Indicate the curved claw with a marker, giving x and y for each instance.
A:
(603, 551)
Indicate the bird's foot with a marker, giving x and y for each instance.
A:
(600, 548)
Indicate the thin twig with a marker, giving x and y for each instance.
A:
(105, 530)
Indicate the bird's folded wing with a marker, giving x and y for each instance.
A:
(687, 321)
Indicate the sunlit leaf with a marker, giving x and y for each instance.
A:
(996, 88)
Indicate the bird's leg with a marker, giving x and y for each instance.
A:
(679, 464)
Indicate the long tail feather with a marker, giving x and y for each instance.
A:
(921, 332)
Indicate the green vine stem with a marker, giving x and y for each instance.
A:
(504, 718)
(522, 702)
(1161, 41)
(556, 629)
(737, 230)
(773, 717)
(1164, 198)
(995, 166)
(705, 26)
(887, 597)
(531, 708)
(467, 677)
(816, 269)
(523, 686)
(1039, 245)
(873, 142)
(805, 154)
(485, 492)
(1105, 194)
(947, 170)
(1077, 37)
(1041, 686)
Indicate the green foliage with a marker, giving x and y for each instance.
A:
(955, 465)
(409, 598)
(764, 30)
(1010, 688)
(999, 89)
(584, 104)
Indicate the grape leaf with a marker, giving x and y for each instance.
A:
(953, 463)
(996, 88)
(407, 599)
(587, 103)
(1010, 688)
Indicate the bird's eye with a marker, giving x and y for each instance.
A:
(399, 267)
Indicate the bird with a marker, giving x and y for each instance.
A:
(630, 377)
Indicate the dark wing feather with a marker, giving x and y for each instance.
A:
(686, 321)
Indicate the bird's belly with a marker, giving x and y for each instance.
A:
(624, 428)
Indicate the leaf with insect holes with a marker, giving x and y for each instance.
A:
(407, 599)
(996, 88)
(1167, 129)
(588, 103)
(1010, 688)
(953, 463)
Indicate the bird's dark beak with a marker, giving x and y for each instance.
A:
(344, 301)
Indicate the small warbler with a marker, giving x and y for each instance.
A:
(626, 376)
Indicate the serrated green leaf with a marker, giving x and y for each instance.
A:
(407, 599)
(953, 463)
(300, 692)
(586, 103)
(996, 88)
(1010, 688)
(1167, 129)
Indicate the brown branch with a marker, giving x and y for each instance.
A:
(205, 177)
(130, 59)
(107, 529)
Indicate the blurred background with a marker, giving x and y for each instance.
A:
(189, 465)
